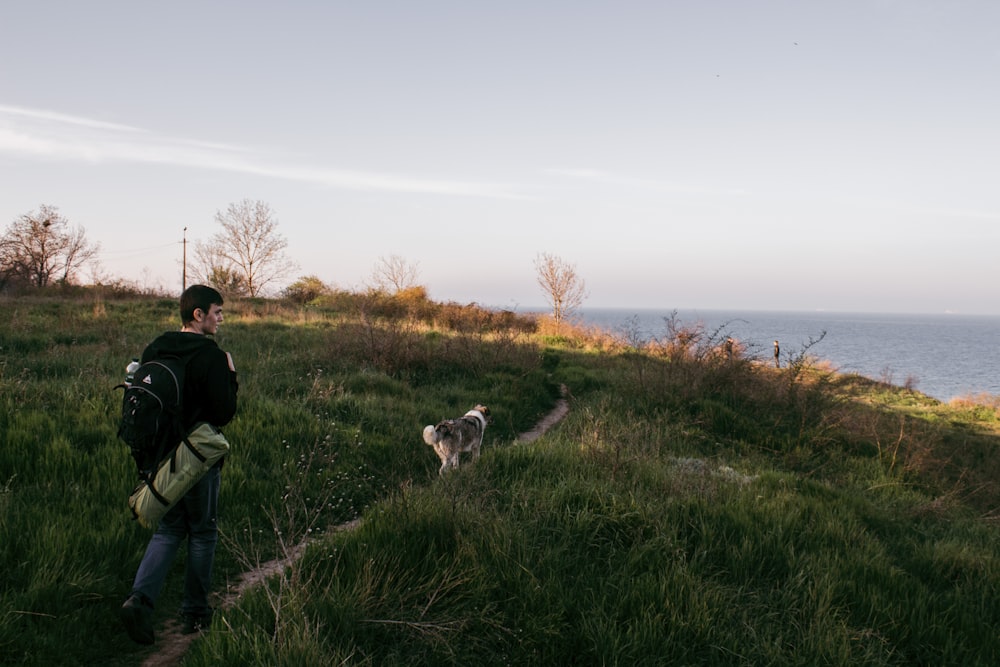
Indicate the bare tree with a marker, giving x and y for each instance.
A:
(563, 286)
(393, 274)
(42, 248)
(217, 270)
(249, 253)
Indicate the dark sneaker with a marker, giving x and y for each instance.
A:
(193, 623)
(137, 617)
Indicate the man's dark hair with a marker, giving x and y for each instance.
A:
(195, 297)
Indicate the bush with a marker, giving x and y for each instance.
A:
(306, 289)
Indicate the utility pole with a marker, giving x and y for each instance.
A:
(184, 272)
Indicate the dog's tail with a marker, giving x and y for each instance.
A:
(431, 436)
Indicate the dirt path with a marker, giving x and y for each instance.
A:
(548, 421)
(171, 644)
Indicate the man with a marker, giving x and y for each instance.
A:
(210, 389)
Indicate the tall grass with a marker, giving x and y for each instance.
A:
(552, 554)
(329, 420)
(695, 507)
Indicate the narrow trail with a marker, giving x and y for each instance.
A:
(171, 645)
(555, 416)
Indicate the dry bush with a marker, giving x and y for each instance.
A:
(576, 334)
(406, 333)
(472, 318)
(981, 400)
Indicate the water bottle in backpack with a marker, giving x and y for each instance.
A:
(130, 370)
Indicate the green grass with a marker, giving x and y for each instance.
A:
(689, 510)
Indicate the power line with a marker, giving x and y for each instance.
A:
(136, 250)
(119, 255)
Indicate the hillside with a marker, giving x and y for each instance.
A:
(691, 508)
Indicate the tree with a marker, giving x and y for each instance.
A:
(563, 286)
(249, 247)
(218, 270)
(42, 248)
(393, 274)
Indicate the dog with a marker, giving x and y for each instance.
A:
(451, 437)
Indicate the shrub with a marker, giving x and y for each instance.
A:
(306, 289)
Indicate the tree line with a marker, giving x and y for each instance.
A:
(247, 257)
(41, 249)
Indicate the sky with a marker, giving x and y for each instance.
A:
(755, 155)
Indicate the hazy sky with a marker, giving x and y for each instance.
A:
(793, 155)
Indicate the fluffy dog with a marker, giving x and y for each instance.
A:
(451, 437)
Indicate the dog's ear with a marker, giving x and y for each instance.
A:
(485, 412)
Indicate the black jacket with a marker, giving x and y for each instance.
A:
(209, 386)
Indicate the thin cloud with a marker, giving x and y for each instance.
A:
(50, 135)
(970, 214)
(65, 119)
(608, 178)
(596, 176)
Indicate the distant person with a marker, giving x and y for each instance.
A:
(730, 343)
(209, 393)
(777, 355)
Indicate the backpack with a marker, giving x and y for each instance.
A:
(152, 413)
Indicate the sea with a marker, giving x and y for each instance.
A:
(943, 356)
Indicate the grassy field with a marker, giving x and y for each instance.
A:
(691, 509)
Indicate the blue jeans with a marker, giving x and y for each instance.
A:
(193, 517)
